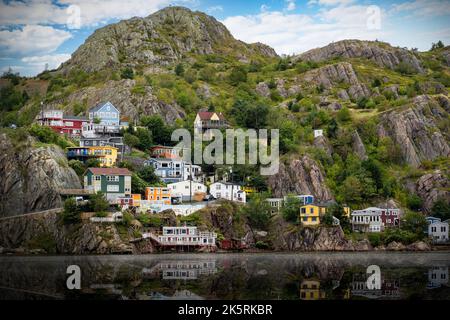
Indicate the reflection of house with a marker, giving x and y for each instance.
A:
(389, 288)
(178, 295)
(310, 290)
(158, 194)
(188, 190)
(183, 269)
(113, 182)
(106, 155)
(437, 276)
(438, 231)
(226, 190)
(375, 219)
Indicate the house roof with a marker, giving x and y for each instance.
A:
(99, 106)
(207, 115)
(110, 171)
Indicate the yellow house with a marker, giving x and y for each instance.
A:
(136, 199)
(107, 155)
(310, 214)
(310, 290)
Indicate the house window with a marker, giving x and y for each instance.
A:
(112, 178)
(303, 210)
(97, 178)
(443, 229)
(314, 219)
(112, 188)
(311, 210)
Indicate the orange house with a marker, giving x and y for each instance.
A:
(158, 194)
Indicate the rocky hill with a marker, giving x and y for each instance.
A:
(384, 110)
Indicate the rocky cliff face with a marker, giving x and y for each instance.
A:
(337, 74)
(159, 39)
(415, 129)
(381, 53)
(31, 177)
(431, 187)
(300, 176)
(121, 95)
(46, 232)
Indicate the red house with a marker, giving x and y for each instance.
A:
(390, 217)
(61, 124)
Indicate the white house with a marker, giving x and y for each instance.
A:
(318, 133)
(229, 191)
(367, 220)
(187, 189)
(438, 231)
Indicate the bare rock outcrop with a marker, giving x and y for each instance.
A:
(49, 231)
(415, 129)
(358, 146)
(31, 177)
(301, 176)
(381, 53)
(431, 187)
(336, 74)
(122, 95)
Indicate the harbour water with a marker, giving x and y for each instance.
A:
(292, 276)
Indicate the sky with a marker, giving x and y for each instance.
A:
(39, 34)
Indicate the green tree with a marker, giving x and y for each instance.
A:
(258, 212)
(98, 202)
(127, 73)
(343, 115)
(145, 138)
(414, 222)
(131, 140)
(179, 70)
(414, 202)
(147, 173)
(71, 212)
(77, 166)
(327, 219)
(138, 185)
(441, 209)
(291, 209)
(238, 75)
(93, 163)
(160, 132)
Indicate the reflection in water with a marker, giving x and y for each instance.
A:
(305, 276)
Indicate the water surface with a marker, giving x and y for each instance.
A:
(304, 276)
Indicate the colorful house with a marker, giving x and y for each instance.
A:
(113, 182)
(55, 119)
(106, 113)
(374, 219)
(310, 214)
(133, 201)
(166, 152)
(107, 155)
(187, 190)
(158, 194)
(209, 120)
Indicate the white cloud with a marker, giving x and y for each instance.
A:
(264, 8)
(330, 2)
(214, 9)
(290, 5)
(294, 33)
(92, 12)
(31, 40)
(422, 8)
(52, 60)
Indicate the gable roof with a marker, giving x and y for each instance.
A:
(101, 105)
(110, 171)
(207, 115)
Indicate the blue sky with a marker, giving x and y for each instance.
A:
(36, 33)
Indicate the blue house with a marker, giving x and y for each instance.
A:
(107, 113)
(168, 170)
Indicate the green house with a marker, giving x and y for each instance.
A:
(113, 182)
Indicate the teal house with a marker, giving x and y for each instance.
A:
(113, 182)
